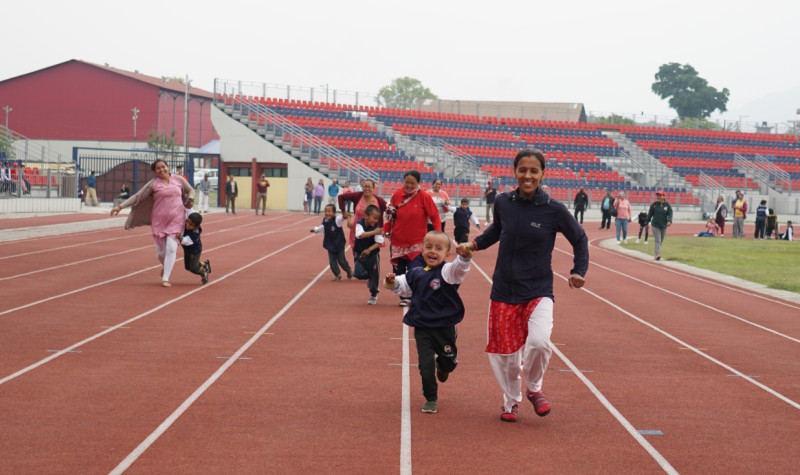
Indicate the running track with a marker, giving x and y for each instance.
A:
(273, 368)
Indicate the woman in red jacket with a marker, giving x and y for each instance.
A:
(407, 223)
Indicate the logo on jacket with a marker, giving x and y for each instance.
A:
(435, 284)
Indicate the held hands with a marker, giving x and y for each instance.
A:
(115, 210)
(465, 250)
(576, 281)
(389, 280)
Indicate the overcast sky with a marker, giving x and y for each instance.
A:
(603, 54)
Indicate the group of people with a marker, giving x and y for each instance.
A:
(766, 222)
(525, 223)
(314, 194)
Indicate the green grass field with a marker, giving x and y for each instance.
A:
(775, 264)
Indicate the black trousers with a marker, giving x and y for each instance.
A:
(579, 212)
(191, 262)
(606, 222)
(435, 347)
(461, 234)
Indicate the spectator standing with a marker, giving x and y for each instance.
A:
(333, 191)
(179, 172)
(605, 208)
(761, 220)
(521, 301)
(643, 226)
(660, 217)
(489, 195)
(623, 207)
(308, 195)
(91, 190)
(581, 204)
(772, 224)
(720, 213)
(162, 204)
(231, 192)
(347, 189)
(261, 195)
(739, 215)
(319, 192)
(204, 187)
(441, 200)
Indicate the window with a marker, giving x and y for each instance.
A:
(239, 171)
(275, 172)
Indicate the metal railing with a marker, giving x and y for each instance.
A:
(284, 131)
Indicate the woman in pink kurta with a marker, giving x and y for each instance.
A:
(160, 203)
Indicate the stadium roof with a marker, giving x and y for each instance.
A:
(566, 111)
(161, 82)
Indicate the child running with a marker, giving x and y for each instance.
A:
(435, 310)
(334, 242)
(367, 246)
(193, 247)
(461, 219)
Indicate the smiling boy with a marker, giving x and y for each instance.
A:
(435, 310)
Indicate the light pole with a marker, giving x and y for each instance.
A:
(326, 91)
(7, 109)
(135, 116)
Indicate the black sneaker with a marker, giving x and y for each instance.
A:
(441, 375)
(207, 265)
(204, 277)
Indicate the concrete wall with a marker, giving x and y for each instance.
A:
(241, 144)
(39, 205)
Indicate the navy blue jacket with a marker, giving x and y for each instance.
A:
(434, 303)
(333, 240)
(527, 232)
(194, 235)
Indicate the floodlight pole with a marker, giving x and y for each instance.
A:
(186, 119)
(7, 109)
(135, 116)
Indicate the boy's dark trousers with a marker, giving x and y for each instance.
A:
(373, 265)
(433, 342)
(461, 234)
(192, 263)
(336, 259)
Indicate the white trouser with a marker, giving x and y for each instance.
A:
(203, 202)
(166, 251)
(529, 361)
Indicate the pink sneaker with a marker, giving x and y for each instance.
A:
(510, 416)
(540, 403)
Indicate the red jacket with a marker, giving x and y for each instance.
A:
(411, 219)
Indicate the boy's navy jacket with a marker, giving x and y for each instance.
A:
(364, 243)
(527, 231)
(435, 303)
(334, 240)
(461, 217)
(194, 235)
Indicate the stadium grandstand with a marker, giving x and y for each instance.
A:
(463, 143)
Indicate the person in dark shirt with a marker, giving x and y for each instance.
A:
(490, 194)
(461, 219)
(334, 242)
(527, 222)
(435, 310)
(193, 247)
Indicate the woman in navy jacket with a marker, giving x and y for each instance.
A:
(526, 224)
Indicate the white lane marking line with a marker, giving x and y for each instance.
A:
(147, 442)
(605, 402)
(144, 314)
(707, 280)
(701, 304)
(405, 407)
(37, 302)
(695, 350)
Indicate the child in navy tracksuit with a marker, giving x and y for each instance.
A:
(193, 247)
(435, 310)
(366, 249)
(461, 219)
(334, 242)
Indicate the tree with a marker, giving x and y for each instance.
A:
(701, 124)
(690, 95)
(403, 93)
(615, 119)
(161, 142)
